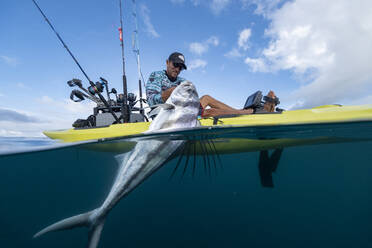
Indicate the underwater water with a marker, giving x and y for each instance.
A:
(287, 186)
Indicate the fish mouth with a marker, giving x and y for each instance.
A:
(188, 86)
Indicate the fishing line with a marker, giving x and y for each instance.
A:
(63, 43)
(73, 57)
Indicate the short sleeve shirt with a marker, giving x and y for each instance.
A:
(158, 82)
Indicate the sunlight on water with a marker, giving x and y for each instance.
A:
(288, 186)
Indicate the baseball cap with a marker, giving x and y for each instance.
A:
(177, 57)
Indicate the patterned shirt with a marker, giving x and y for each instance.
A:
(158, 82)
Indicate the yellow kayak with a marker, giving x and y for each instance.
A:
(321, 114)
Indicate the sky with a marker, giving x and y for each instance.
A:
(309, 53)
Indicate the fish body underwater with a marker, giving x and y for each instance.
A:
(179, 112)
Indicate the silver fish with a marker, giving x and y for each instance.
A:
(179, 112)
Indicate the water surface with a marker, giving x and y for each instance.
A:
(321, 194)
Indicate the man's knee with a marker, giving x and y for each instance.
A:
(205, 98)
(209, 112)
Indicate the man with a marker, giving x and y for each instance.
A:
(161, 84)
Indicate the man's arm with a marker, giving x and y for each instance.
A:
(166, 93)
(153, 90)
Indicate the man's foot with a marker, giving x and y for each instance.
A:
(246, 111)
(269, 106)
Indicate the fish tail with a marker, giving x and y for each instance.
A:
(95, 234)
(81, 220)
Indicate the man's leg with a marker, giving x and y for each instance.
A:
(207, 100)
(219, 108)
(211, 112)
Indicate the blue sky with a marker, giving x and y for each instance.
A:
(309, 52)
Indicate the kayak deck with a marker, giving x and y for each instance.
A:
(321, 114)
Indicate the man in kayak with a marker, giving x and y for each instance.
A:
(161, 84)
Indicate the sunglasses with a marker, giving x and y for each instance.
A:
(178, 65)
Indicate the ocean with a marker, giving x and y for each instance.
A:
(286, 186)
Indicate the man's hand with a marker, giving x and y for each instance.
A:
(166, 93)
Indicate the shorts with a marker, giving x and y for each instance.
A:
(201, 111)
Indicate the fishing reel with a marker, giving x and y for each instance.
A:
(132, 99)
(75, 82)
(97, 88)
(78, 94)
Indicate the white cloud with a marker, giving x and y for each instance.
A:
(67, 106)
(197, 63)
(195, 2)
(326, 40)
(51, 115)
(263, 7)
(243, 39)
(7, 115)
(213, 40)
(243, 44)
(198, 48)
(218, 5)
(361, 101)
(256, 64)
(145, 12)
(234, 53)
(9, 60)
(78, 107)
(201, 47)
(10, 133)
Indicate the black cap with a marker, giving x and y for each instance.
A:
(178, 58)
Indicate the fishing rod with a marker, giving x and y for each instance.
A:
(73, 57)
(125, 106)
(136, 51)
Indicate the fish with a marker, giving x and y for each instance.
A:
(179, 112)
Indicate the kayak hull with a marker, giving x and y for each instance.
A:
(318, 115)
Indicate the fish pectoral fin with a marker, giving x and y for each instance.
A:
(122, 158)
(166, 106)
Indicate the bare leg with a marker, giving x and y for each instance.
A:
(207, 100)
(219, 108)
(211, 112)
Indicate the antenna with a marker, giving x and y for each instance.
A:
(136, 51)
(125, 106)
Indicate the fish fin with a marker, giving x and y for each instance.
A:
(166, 106)
(94, 235)
(78, 221)
(69, 223)
(122, 158)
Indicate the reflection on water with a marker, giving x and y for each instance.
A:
(291, 186)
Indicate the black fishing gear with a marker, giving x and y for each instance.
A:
(73, 57)
(108, 111)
